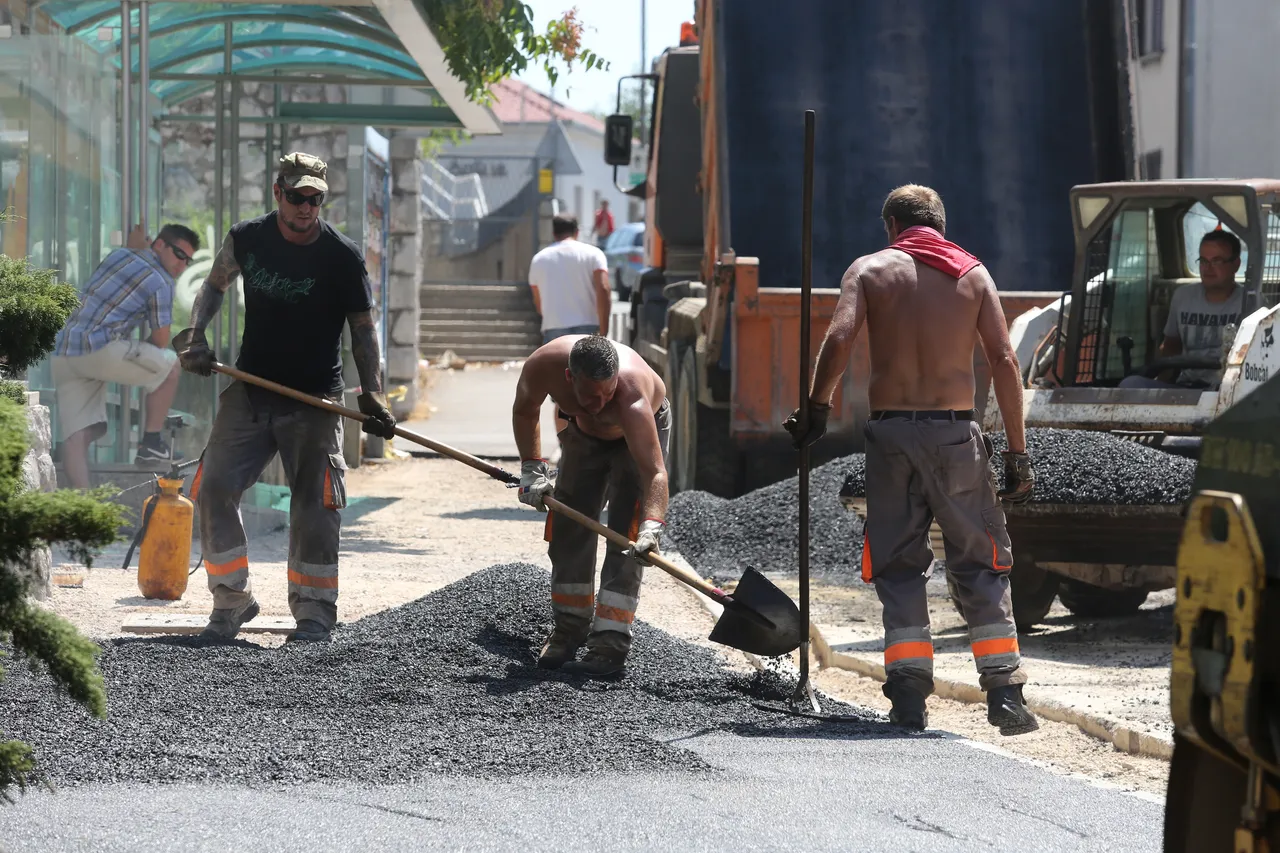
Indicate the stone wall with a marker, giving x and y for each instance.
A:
(38, 475)
(404, 268)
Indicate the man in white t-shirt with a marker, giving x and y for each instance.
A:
(570, 283)
(1200, 313)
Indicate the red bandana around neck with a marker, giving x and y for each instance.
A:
(929, 247)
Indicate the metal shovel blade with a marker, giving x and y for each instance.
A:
(758, 597)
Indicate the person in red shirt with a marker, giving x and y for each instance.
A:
(603, 226)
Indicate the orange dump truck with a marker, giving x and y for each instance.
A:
(716, 310)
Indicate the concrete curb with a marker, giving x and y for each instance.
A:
(1123, 738)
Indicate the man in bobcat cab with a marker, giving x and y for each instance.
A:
(1198, 314)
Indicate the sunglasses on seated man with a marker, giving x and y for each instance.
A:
(297, 199)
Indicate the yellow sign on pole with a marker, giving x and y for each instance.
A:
(544, 181)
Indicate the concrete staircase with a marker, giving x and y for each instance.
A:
(479, 322)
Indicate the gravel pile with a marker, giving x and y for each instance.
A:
(443, 685)
(1079, 467)
(760, 529)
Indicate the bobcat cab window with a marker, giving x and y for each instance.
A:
(1269, 292)
(1123, 261)
(1197, 222)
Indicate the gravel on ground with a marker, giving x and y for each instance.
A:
(445, 684)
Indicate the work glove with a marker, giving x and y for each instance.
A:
(646, 540)
(194, 353)
(818, 414)
(380, 421)
(535, 483)
(1019, 478)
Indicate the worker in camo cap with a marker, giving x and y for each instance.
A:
(930, 303)
(614, 448)
(303, 280)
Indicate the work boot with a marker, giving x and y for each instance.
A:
(559, 649)
(606, 655)
(597, 663)
(225, 622)
(308, 631)
(1007, 711)
(908, 709)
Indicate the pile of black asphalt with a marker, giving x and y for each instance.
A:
(760, 529)
(446, 684)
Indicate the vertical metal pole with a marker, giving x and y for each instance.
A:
(269, 166)
(644, 69)
(806, 292)
(144, 152)
(126, 118)
(123, 427)
(144, 113)
(219, 188)
(233, 149)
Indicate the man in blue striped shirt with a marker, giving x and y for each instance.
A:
(129, 289)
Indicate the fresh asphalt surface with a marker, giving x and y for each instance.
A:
(768, 793)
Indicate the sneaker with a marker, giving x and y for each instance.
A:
(1007, 711)
(559, 650)
(158, 451)
(597, 663)
(308, 631)
(908, 709)
(224, 622)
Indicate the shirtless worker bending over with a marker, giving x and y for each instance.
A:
(613, 448)
(926, 303)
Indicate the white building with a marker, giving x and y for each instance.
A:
(1207, 102)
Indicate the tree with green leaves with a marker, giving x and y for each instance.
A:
(33, 307)
(487, 41)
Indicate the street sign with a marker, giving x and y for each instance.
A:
(545, 181)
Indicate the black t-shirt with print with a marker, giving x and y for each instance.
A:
(297, 298)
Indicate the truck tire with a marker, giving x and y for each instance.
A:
(700, 455)
(1032, 589)
(1094, 602)
(682, 450)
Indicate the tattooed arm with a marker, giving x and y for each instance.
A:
(194, 353)
(209, 299)
(364, 350)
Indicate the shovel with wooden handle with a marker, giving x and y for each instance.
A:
(758, 618)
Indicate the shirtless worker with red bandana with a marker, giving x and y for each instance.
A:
(926, 303)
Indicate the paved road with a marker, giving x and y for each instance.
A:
(473, 413)
(812, 794)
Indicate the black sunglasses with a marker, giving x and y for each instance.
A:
(297, 199)
(178, 253)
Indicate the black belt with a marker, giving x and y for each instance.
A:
(922, 415)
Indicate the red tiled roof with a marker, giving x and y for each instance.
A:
(516, 102)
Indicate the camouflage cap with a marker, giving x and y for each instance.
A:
(303, 170)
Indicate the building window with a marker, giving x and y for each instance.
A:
(577, 203)
(1149, 27)
(1150, 167)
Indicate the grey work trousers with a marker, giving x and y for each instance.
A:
(594, 470)
(246, 434)
(919, 470)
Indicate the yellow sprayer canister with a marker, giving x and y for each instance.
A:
(165, 556)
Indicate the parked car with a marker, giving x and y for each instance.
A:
(625, 253)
